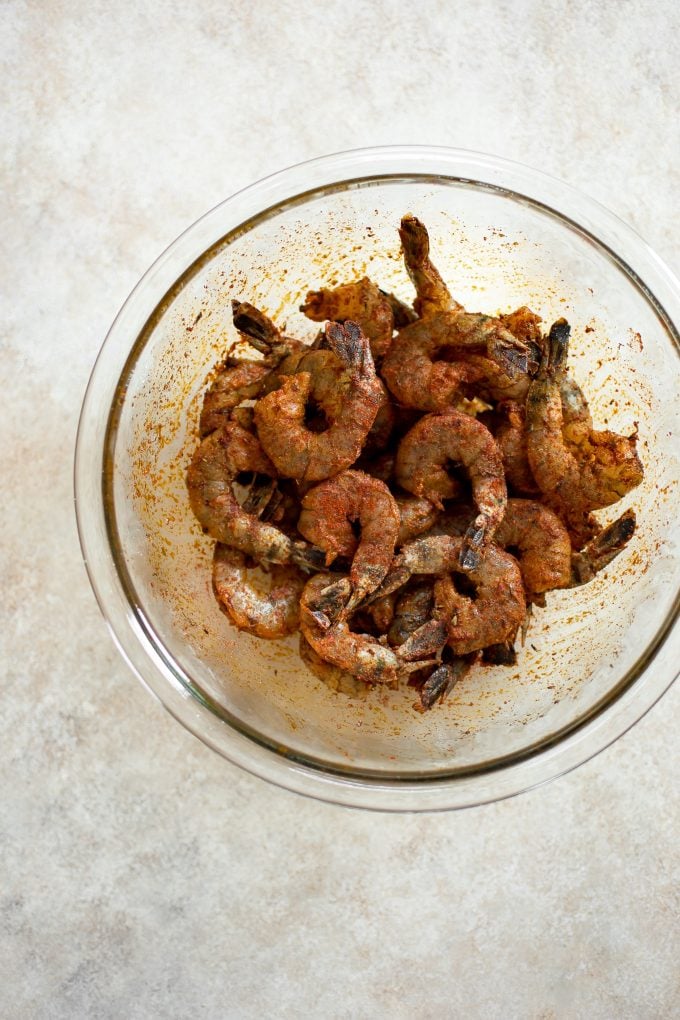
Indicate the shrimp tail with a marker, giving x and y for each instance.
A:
(502, 654)
(254, 324)
(473, 540)
(308, 557)
(425, 641)
(557, 347)
(440, 682)
(260, 493)
(513, 358)
(599, 552)
(395, 579)
(332, 600)
(347, 340)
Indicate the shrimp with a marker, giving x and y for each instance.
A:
(362, 656)
(495, 613)
(421, 468)
(214, 468)
(335, 678)
(271, 615)
(585, 469)
(362, 302)
(417, 515)
(332, 509)
(511, 437)
(233, 385)
(433, 295)
(279, 416)
(419, 378)
(540, 543)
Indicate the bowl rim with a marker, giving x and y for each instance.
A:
(133, 633)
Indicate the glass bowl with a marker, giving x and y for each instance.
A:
(503, 235)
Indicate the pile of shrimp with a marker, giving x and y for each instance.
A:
(411, 483)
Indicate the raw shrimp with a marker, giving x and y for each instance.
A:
(233, 385)
(511, 437)
(587, 469)
(492, 616)
(418, 378)
(334, 677)
(266, 615)
(362, 302)
(421, 468)
(540, 542)
(432, 293)
(362, 656)
(331, 511)
(279, 417)
(214, 468)
(417, 515)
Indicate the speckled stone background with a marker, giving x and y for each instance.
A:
(140, 875)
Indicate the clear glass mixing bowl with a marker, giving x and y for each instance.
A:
(503, 235)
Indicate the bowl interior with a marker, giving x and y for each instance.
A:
(497, 251)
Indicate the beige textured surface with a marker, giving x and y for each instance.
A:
(141, 876)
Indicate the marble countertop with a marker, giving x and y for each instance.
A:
(142, 876)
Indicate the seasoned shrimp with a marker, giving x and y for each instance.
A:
(491, 617)
(337, 679)
(417, 515)
(511, 437)
(233, 385)
(279, 417)
(586, 469)
(419, 378)
(362, 302)
(331, 511)
(214, 468)
(362, 656)
(270, 615)
(433, 295)
(540, 543)
(421, 468)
